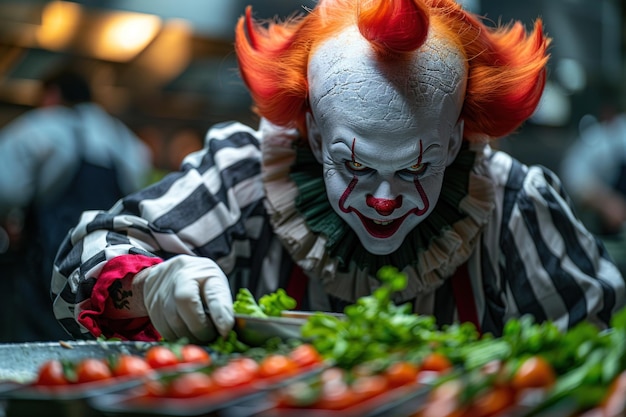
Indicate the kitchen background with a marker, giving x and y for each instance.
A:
(167, 68)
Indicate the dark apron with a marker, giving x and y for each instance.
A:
(31, 316)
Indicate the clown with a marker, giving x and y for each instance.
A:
(373, 149)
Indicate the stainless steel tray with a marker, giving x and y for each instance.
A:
(19, 362)
(255, 331)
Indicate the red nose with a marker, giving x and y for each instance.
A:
(383, 206)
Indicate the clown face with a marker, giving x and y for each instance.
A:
(384, 131)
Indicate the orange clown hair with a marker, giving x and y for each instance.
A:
(506, 65)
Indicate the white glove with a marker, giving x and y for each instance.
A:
(187, 296)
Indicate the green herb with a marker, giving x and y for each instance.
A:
(275, 303)
(229, 344)
(269, 305)
(246, 304)
(372, 328)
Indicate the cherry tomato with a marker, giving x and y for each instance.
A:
(161, 356)
(246, 364)
(368, 386)
(401, 373)
(299, 394)
(534, 372)
(51, 373)
(130, 365)
(448, 391)
(155, 388)
(443, 401)
(492, 402)
(336, 395)
(277, 364)
(437, 362)
(443, 409)
(305, 355)
(92, 369)
(194, 354)
(231, 375)
(191, 384)
(333, 374)
(614, 401)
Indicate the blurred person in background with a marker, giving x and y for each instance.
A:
(183, 142)
(594, 172)
(168, 150)
(64, 157)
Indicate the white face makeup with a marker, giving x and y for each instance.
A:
(384, 132)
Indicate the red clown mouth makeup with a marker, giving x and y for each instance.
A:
(381, 229)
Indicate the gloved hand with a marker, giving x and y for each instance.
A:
(187, 296)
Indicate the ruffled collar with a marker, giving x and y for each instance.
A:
(327, 248)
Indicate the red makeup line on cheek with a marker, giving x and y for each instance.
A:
(348, 191)
(346, 194)
(420, 189)
(423, 196)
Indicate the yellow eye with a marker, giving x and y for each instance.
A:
(415, 169)
(356, 166)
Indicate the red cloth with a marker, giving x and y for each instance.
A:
(464, 296)
(126, 329)
(297, 285)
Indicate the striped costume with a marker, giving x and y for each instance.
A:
(254, 202)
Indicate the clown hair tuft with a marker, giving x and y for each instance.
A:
(506, 64)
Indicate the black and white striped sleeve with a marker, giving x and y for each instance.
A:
(550, 265)
(208, 208)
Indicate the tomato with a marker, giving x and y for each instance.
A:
(194, 354)
(448, 391)
(299, 394)
(191, 384)
(246, 364)
(92, 369)
(443, 401)
(51, 373)
(401, 373)
(336, 395)
(614, 401)
(333, 374)
(305, 355)
(231, 375)
(335, 392)
(534, 372)
(161, 356)
(369, 386)
(437, 362)
(155, 388)
(443, 409)
(130, 365)
(277, 364)
(492, 402)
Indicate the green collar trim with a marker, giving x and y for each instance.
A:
(343, 244)
(327, 248)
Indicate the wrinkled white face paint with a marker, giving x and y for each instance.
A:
(385, 132)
